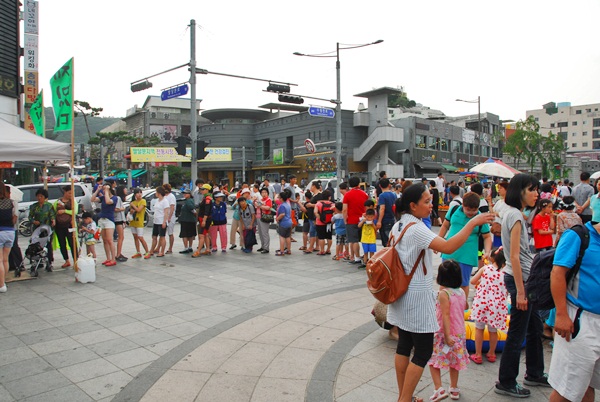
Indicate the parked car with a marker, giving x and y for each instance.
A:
(325, 184)
(83, 195)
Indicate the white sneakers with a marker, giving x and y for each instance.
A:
(3, 289)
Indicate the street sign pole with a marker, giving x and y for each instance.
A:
(193, 108)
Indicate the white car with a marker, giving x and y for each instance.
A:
(83, 195)
(325, 183)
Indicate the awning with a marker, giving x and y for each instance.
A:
(450, 168)
(429, 165)
(315, 154)
(275, 167)
(134, 173)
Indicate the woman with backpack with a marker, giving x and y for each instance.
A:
(323, 215)
(415, 313)
(525, 322)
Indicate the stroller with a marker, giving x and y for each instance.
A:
(37, 252)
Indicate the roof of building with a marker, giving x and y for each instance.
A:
(379, 91)
(232, 113)
(284, 106)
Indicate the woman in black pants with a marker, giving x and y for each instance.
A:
(65, 207)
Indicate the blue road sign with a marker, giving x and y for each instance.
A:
(318, 111)
(174, 92)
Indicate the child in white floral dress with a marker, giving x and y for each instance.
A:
(449, 347)
(489, 305)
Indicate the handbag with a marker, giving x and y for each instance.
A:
(249, 238)
(267, 218)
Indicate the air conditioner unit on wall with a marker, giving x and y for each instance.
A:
(167, 115)
(153, 115)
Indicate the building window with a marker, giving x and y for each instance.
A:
(495, 153)
(585, 122)
(259, 150)
(596, 145)
(595, 134)
(431, 143)
(573, 134)
(578, 112)
(588, 110)
(420, 141)
(445, 145)
(573, 145)
(537, 119)
(574, 123)
(563, 124)
(584, 133)
(552, 125)
(596, 123)
(584, 144)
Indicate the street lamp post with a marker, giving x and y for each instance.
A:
(478, 101)
(338, 100)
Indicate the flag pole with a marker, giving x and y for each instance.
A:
(74, 206)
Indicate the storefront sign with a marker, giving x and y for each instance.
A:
(278, 156)
(167, 154)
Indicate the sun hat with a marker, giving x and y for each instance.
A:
(244, 191)
(206, 186)
(219, 194)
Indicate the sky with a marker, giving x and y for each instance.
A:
(515, 55)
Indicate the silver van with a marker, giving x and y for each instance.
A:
(83, 194)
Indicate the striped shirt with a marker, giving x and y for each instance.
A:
(415, 311)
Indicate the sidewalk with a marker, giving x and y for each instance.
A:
(225, 327)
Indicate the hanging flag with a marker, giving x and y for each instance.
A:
(36, 112)
(62, 97)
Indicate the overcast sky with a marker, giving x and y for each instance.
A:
(516, 55)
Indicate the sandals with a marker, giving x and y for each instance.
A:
(307, 251)
(491, 358)
(279, 253)
(454, 393)
(302, 248)
(321, 253)
(476, 359)
(438, 395)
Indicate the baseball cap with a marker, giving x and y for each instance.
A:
(244, 191)
(206, 186)
(424, 179)
(186, 191)
(219, 194)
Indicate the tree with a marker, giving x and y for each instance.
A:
(528, 144)
(177, 175)
(86, 110)
(400, 100)
(110, 140)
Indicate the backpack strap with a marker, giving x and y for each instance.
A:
(421, 256)
(584, 236)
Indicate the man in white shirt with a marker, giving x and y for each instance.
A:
(440, 183)
(565, 190)
(170, 217)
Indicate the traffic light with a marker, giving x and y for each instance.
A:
(181, 145)
(140, 86)
(278, 88)
(201, 152)
(291, 99)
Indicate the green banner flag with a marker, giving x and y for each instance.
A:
(36, 112)
(62, 97)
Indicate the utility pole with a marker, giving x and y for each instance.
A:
(243, 163)
(193, 108)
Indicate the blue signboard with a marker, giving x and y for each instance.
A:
(318, 111)
(174, 92)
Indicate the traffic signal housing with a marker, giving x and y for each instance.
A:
(291, 99)
(181, 145)
(278, 88)
(140, 86)
(201, 151)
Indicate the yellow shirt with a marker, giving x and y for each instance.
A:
(368, 235)
(138, 220)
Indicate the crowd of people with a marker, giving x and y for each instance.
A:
(488, 239)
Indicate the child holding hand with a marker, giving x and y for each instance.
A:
(449, 347)
(489, 304)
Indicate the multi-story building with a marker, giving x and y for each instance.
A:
(579, 125)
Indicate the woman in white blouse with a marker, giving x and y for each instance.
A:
(414, 313)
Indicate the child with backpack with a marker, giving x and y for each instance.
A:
(341, 246)
(368, 236)
(489, 305)
(449, 346)
(543, 226)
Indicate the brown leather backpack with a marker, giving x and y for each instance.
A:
(387, 280)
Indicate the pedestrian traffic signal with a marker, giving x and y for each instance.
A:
(278, 88)
(181, 145)
(201, 150)
(291, 99)
(140, 86)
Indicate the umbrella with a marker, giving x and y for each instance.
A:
(493, 167)
(595, 175)
(15, 193)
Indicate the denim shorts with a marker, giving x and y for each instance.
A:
(7, 238)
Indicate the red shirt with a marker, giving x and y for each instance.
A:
(541, 223)
(355, 199)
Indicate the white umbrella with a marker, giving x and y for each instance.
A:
(15, 193)
(595, 175)
(492, 167)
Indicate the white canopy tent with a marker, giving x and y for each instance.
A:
(21, 145)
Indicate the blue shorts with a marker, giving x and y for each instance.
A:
(7, 238)
(369, 247)
(466, 273)
(312, 232)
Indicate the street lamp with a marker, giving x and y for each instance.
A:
(478, 101)
(338, 100)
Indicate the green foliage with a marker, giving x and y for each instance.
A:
(85, 110)
(400, 100)
(177, 175)
(81, 133)
(529, 145)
